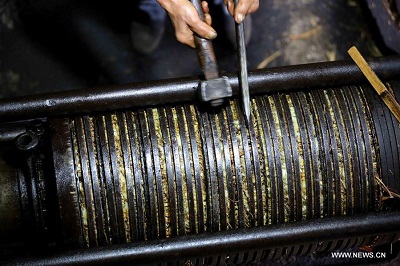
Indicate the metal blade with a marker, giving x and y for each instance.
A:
(243, 79)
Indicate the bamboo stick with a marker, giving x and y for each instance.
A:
(376, 83)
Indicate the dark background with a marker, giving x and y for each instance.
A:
(50, 47)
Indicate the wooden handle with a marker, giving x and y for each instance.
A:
(205, 50)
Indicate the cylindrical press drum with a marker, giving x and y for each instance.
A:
(177, 171)
(174, 170)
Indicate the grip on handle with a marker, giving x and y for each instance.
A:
(205, 50)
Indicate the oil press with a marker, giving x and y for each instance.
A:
(146, 173)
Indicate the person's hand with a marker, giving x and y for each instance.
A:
(243, 8)
(187, 22)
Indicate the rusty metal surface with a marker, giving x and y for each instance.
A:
(65, 183)
(28, 212)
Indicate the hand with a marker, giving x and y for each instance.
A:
(244, 8)
(187, 22)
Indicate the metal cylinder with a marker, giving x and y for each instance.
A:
(154, 176)
(169, 171)
(179, 90)
(250, 243)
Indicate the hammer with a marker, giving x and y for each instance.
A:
(214, 88)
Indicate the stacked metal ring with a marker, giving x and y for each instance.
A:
(175, 170)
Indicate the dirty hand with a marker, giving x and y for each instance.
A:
(243, 8)
(187, 22)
